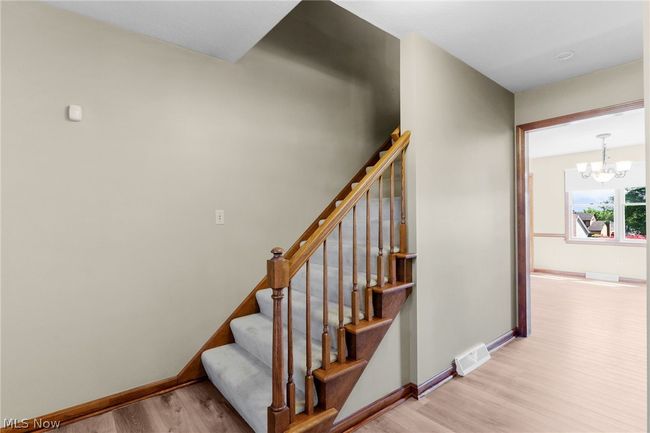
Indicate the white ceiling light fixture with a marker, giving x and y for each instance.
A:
(602, 171)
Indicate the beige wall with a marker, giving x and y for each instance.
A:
(616, 85)
(461, 206)
(549, 217)
(114, 272)
(598, 89)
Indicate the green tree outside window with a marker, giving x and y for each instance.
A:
(635, 213)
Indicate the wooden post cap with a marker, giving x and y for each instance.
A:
(277, 269)
(395, 134)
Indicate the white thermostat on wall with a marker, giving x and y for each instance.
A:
(74, 113)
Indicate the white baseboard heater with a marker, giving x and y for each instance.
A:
(472, 359)
(601, 277)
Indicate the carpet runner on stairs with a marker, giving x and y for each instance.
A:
(242, 370)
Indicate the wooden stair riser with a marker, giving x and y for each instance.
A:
(333, 386)
(387, 301)
(403, 266)
(362, 341)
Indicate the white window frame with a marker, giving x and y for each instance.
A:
(621, 211)
(619, 222)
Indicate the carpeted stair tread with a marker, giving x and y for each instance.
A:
(242, 370)
(348, 257)
(244, 381)
(299, 312)
(299, 283)
(254, 333)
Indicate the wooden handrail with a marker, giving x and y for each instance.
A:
(331, 222)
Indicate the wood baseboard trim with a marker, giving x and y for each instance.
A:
(99, 406)
(350, 423)
(549, 235)
(373, 410)
(561, 273)
(632, 280)
(400, 395)
(583, 275)
(502, 340)
(429, 385)
(448, 374)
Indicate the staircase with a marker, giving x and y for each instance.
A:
(289, 356)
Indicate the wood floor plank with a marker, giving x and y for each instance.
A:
(168, 414)
(206, 405)
(133, 419)
(103, 423)
(582, 370)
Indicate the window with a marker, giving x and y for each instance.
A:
(609, 212)
(605, 215)
(592, 214)
(634, 210)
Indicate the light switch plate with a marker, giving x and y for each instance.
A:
(220, 217)
(74, 113)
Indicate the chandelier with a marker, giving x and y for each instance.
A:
(601, 171)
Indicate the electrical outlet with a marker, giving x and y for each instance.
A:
(220, 217)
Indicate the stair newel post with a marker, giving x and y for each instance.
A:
(392, 271)
(380, 240)
(277, 270)
(341, 330)
(325, 339)
(402, 226)
(291, 386)
(355, 284)
(368, 291)
(309, 378)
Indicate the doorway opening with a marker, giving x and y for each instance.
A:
(581, 207)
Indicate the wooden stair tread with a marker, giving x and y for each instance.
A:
(389, 288)
(405, 255)
(364, 325)
(338, 369)
(309, 423)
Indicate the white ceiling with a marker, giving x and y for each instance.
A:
(223, 29)
(515, 43)
(626, 128)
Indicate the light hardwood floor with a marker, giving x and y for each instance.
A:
(197, 408)
(582, 370)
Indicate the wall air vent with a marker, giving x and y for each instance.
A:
(472, 359)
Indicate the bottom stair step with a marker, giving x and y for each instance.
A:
(244, 381)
